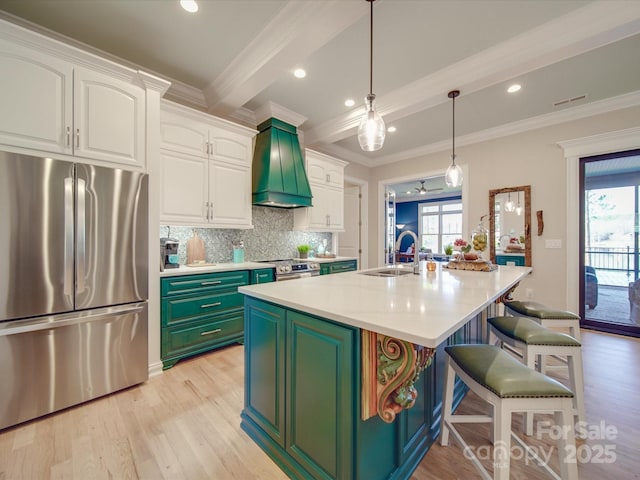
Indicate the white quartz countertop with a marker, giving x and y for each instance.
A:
(217, 267)
(424, 309)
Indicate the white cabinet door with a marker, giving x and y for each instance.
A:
(324, 170)
(317, 216)
(35, 99)
(326, 178)
(229, 195)
(230, 147)
(181, 134)
(109, 118)
(184, 189)
(335, 207)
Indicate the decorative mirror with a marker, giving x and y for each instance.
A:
(510, 226)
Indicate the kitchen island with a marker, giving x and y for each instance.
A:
(343, 373)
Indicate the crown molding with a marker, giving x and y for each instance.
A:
(273, 110)
(620, 102)
(626, 139)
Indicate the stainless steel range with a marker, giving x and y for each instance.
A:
(294, 268)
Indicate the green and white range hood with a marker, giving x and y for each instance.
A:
(279, 175)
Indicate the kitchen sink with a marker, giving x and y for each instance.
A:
(388, 272)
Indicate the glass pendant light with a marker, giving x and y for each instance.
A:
(519, 207)
(453, 176)
(372, 130)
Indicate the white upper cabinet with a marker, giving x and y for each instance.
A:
(108, 118)
(57, 106)
(205, 168)
(35, 99)
(325, 170)
(184, 185)
(326, 179)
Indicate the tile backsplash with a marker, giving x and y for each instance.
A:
(271, 238)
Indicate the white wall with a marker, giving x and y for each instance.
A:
(531, 158)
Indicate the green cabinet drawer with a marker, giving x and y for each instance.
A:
(206, 281)
(200, 336)
(338, 267)
(515, 260)
(191, 307)
(263, 275)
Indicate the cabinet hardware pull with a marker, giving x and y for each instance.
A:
(212, 282)
(77, 138)
(328, 178)
(209, 305)
(211, 332)
(68, 136)
(207, 206)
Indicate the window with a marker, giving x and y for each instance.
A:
(440, 224)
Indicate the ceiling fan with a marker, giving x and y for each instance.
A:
(423, 191)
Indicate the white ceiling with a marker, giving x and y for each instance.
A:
(234, 57)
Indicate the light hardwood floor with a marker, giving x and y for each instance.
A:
(184, 424)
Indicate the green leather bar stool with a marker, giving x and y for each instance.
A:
(531, 342)
(509, 386)
(545, 316)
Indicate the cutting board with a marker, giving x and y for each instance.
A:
(195, 249)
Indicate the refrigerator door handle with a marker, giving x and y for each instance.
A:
(81, 235)
(68, 236)
(64, 320)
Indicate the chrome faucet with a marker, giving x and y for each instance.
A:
(416, 255)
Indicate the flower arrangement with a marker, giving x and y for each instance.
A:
(462, 245)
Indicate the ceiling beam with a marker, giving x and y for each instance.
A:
(294, 33)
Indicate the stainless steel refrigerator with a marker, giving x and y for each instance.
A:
(73, 284)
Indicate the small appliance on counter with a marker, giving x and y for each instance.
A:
(169, 252)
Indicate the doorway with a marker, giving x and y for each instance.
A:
(609, 242)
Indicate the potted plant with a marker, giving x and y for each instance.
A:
(303, 250)
(448, 250)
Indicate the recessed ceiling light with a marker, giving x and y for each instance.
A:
(349, 102)
(189, 5)
(299, 73)
(514, 88)
(391, 129)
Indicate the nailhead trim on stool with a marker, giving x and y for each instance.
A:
(533, 341)
(509, 386)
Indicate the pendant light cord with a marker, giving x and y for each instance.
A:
(452, 95)
(371, 48)
(453, 129)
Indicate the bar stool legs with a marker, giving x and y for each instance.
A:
(509, 387)
(533, 343)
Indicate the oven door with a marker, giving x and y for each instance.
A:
(295, 275)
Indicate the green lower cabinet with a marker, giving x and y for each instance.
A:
(514, 260)
(200, 312)
(293, 361)
(303, 399)
(320, 395)
(340, 266)
(263, 275)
